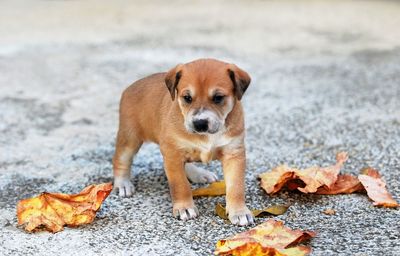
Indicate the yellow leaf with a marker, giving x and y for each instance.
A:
(274, 210)
(221, 211)
(52, 211)
(214, 189)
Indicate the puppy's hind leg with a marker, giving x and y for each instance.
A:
(127, 146)
(199, 175)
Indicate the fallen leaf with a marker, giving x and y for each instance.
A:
(311, 178)
(52, 211)
(327, 181)
(329, 212)
(274, 180)
(255, 249)
(221, 211)
(274, 210)
(345, 184)
(269, 238)
(316, 177)
(376, 188)
(214, 189)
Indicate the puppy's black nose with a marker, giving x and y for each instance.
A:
(200, 125)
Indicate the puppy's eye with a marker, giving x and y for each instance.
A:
(188, 98)
(218, 99)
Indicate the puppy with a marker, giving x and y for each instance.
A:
(194, 113)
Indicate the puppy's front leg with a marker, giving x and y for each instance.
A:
(126, 147)
(234, 165)
(181, 194)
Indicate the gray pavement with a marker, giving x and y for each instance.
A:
(325, 79)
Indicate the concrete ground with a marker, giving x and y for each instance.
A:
(325, 78)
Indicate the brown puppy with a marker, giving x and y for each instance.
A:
(194, 113)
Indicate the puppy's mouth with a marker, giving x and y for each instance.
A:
(204, 133)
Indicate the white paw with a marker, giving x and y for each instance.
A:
(185, 213)
(242, 217)
(124, 187)
(199, 175)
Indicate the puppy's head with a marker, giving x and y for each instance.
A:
(206, 91)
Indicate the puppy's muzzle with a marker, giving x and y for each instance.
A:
(200, 125)
(203, 122)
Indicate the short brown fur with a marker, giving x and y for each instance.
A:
(152, 109)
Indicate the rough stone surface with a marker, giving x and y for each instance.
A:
(325, 78)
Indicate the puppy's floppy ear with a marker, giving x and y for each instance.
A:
(172, 79)
(240, 80)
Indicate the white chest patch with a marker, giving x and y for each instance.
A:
(208, 147)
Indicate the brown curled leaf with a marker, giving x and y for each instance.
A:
(376, 188)
(316, 177)
(214, 189)
(307, 180)
(274, 180)
(53, 211)
(345, 184)
(268, 238)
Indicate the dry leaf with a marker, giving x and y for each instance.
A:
(52, 211)
(214, 189)
(274, 210)
(255, 249)
(312, 178)
(376, 188)
(270, 238)
(316, 177)
(329, 212)
(274, 180)
(221, 211)
(345, 184)
(327, 181)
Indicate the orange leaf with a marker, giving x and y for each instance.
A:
(376, 188)
(345, 184)
(52, 211)
(274, 180)
(214, 189)
(313, 177)
(316, 177)
(269, 238)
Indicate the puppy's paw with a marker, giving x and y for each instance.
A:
(199, 175)
(123, 186)
(185, 213)
(241, 217)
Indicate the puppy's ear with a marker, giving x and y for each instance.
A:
(172, 79)
(240, 80)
